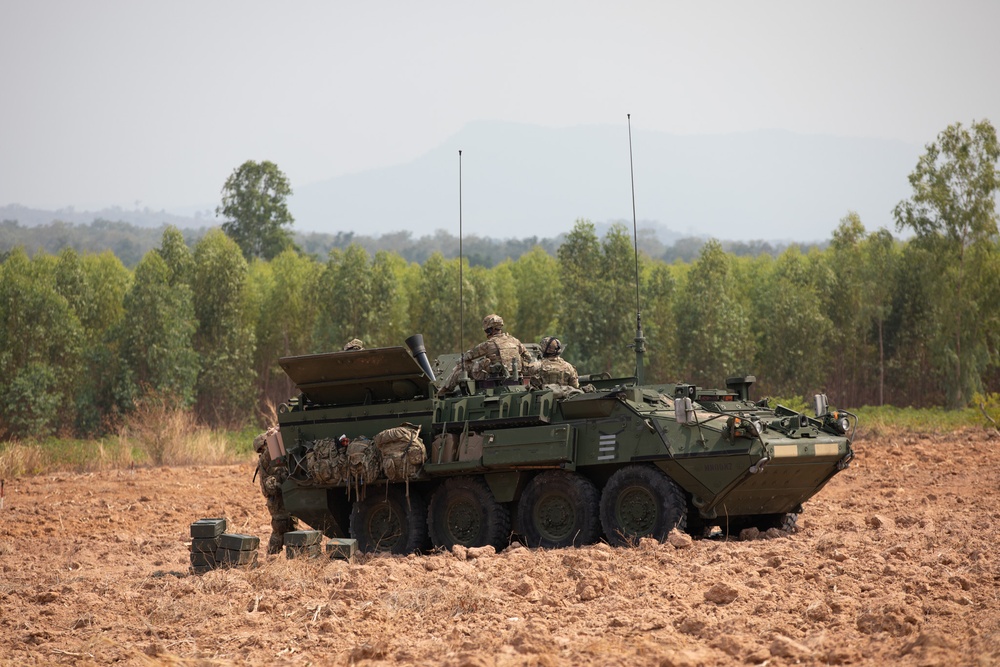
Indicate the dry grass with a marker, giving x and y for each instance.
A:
(17, 459)
(167, 434)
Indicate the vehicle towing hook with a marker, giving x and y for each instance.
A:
(757, 467)
(843, 463)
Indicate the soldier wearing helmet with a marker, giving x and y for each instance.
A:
(494, 357)
(553, 369)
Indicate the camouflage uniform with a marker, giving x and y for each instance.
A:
(555, 370)
(552, 368)
(272, 474)
(499, 349)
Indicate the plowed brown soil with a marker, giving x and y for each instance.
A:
(895, 562)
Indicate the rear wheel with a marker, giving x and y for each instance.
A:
(464, 511)
(559, 509)
(641, 501)
(385, 521)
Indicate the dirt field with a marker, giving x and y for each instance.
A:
(895, 562)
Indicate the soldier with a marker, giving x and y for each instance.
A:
(553, 369)
(354, 344)
(493, 356)
(272, 474)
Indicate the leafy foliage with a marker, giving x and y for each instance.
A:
(953, 212)
(86, 342)
(224, 340)
(254, 201)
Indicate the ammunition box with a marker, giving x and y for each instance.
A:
(231, 557)
(303, 538)
(208, 528)
(205, 545)
(238, 542)
(342, 548)
(203, 559)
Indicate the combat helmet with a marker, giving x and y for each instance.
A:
(354, 344)
(551, 346)
(492, 323)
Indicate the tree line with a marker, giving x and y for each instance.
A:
(867, 319)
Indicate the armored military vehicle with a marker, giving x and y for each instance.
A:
(372, 453)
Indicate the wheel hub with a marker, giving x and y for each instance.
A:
(384, 527)
(636, 511)
(554, 517)
(463, 522)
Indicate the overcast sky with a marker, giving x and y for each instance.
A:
(143, 104)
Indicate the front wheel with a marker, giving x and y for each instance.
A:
(464, 511)
(641, 501)
(385, 520)
(559, 509)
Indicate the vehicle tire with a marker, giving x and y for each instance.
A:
(641, 501)
(559, 509)
(464, 511)
(384, 521)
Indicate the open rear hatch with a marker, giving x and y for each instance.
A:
(360, 376)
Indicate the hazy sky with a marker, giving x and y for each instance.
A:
(154, 104)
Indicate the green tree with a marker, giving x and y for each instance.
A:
(581, 307)
(659, 326)
(713, 321)
(282, 297)
(845, 278)
(616, 288)
(953, 213)
(254, 201)
(434, 306)
(390, 300)
(916, 336)
(879, 265)
(361, 297)
(107, 281)
(41, 346)
(792, 330)
(536, 277)
(156, 336)
(177, 255)
(225, 338)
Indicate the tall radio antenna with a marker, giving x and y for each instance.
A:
(640, 341)
(461, 261)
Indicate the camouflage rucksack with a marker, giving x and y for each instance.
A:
(364, 463)
(402, 452)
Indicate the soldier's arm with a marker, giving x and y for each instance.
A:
(477, 351)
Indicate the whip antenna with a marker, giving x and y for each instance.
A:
(640, 341)
(461, 280)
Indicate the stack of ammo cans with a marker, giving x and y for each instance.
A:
(212, 546)
(303, 544)
(205, 537)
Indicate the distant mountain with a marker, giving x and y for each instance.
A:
(34, 217)
(523, 180)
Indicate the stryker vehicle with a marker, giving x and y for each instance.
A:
(555, 466)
